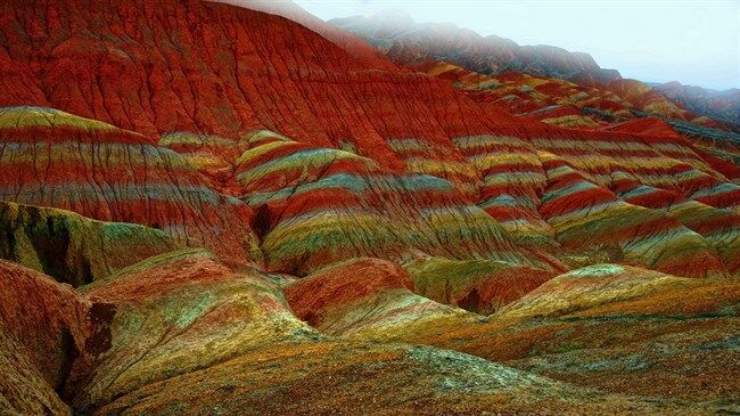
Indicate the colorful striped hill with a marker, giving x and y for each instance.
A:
(318, 205)
(232, 207)
(110, 174)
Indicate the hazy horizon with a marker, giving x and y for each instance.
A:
(693, 42)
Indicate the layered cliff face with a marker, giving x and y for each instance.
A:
(354, 45)
(250, 211)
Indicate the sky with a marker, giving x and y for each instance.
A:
(696, 42)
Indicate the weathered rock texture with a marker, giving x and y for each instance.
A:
(616, 328)
(263, 218)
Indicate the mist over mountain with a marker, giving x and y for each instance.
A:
(721, 105)
(408, 42)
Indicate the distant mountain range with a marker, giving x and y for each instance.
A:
(408, 42)
(719, 105)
